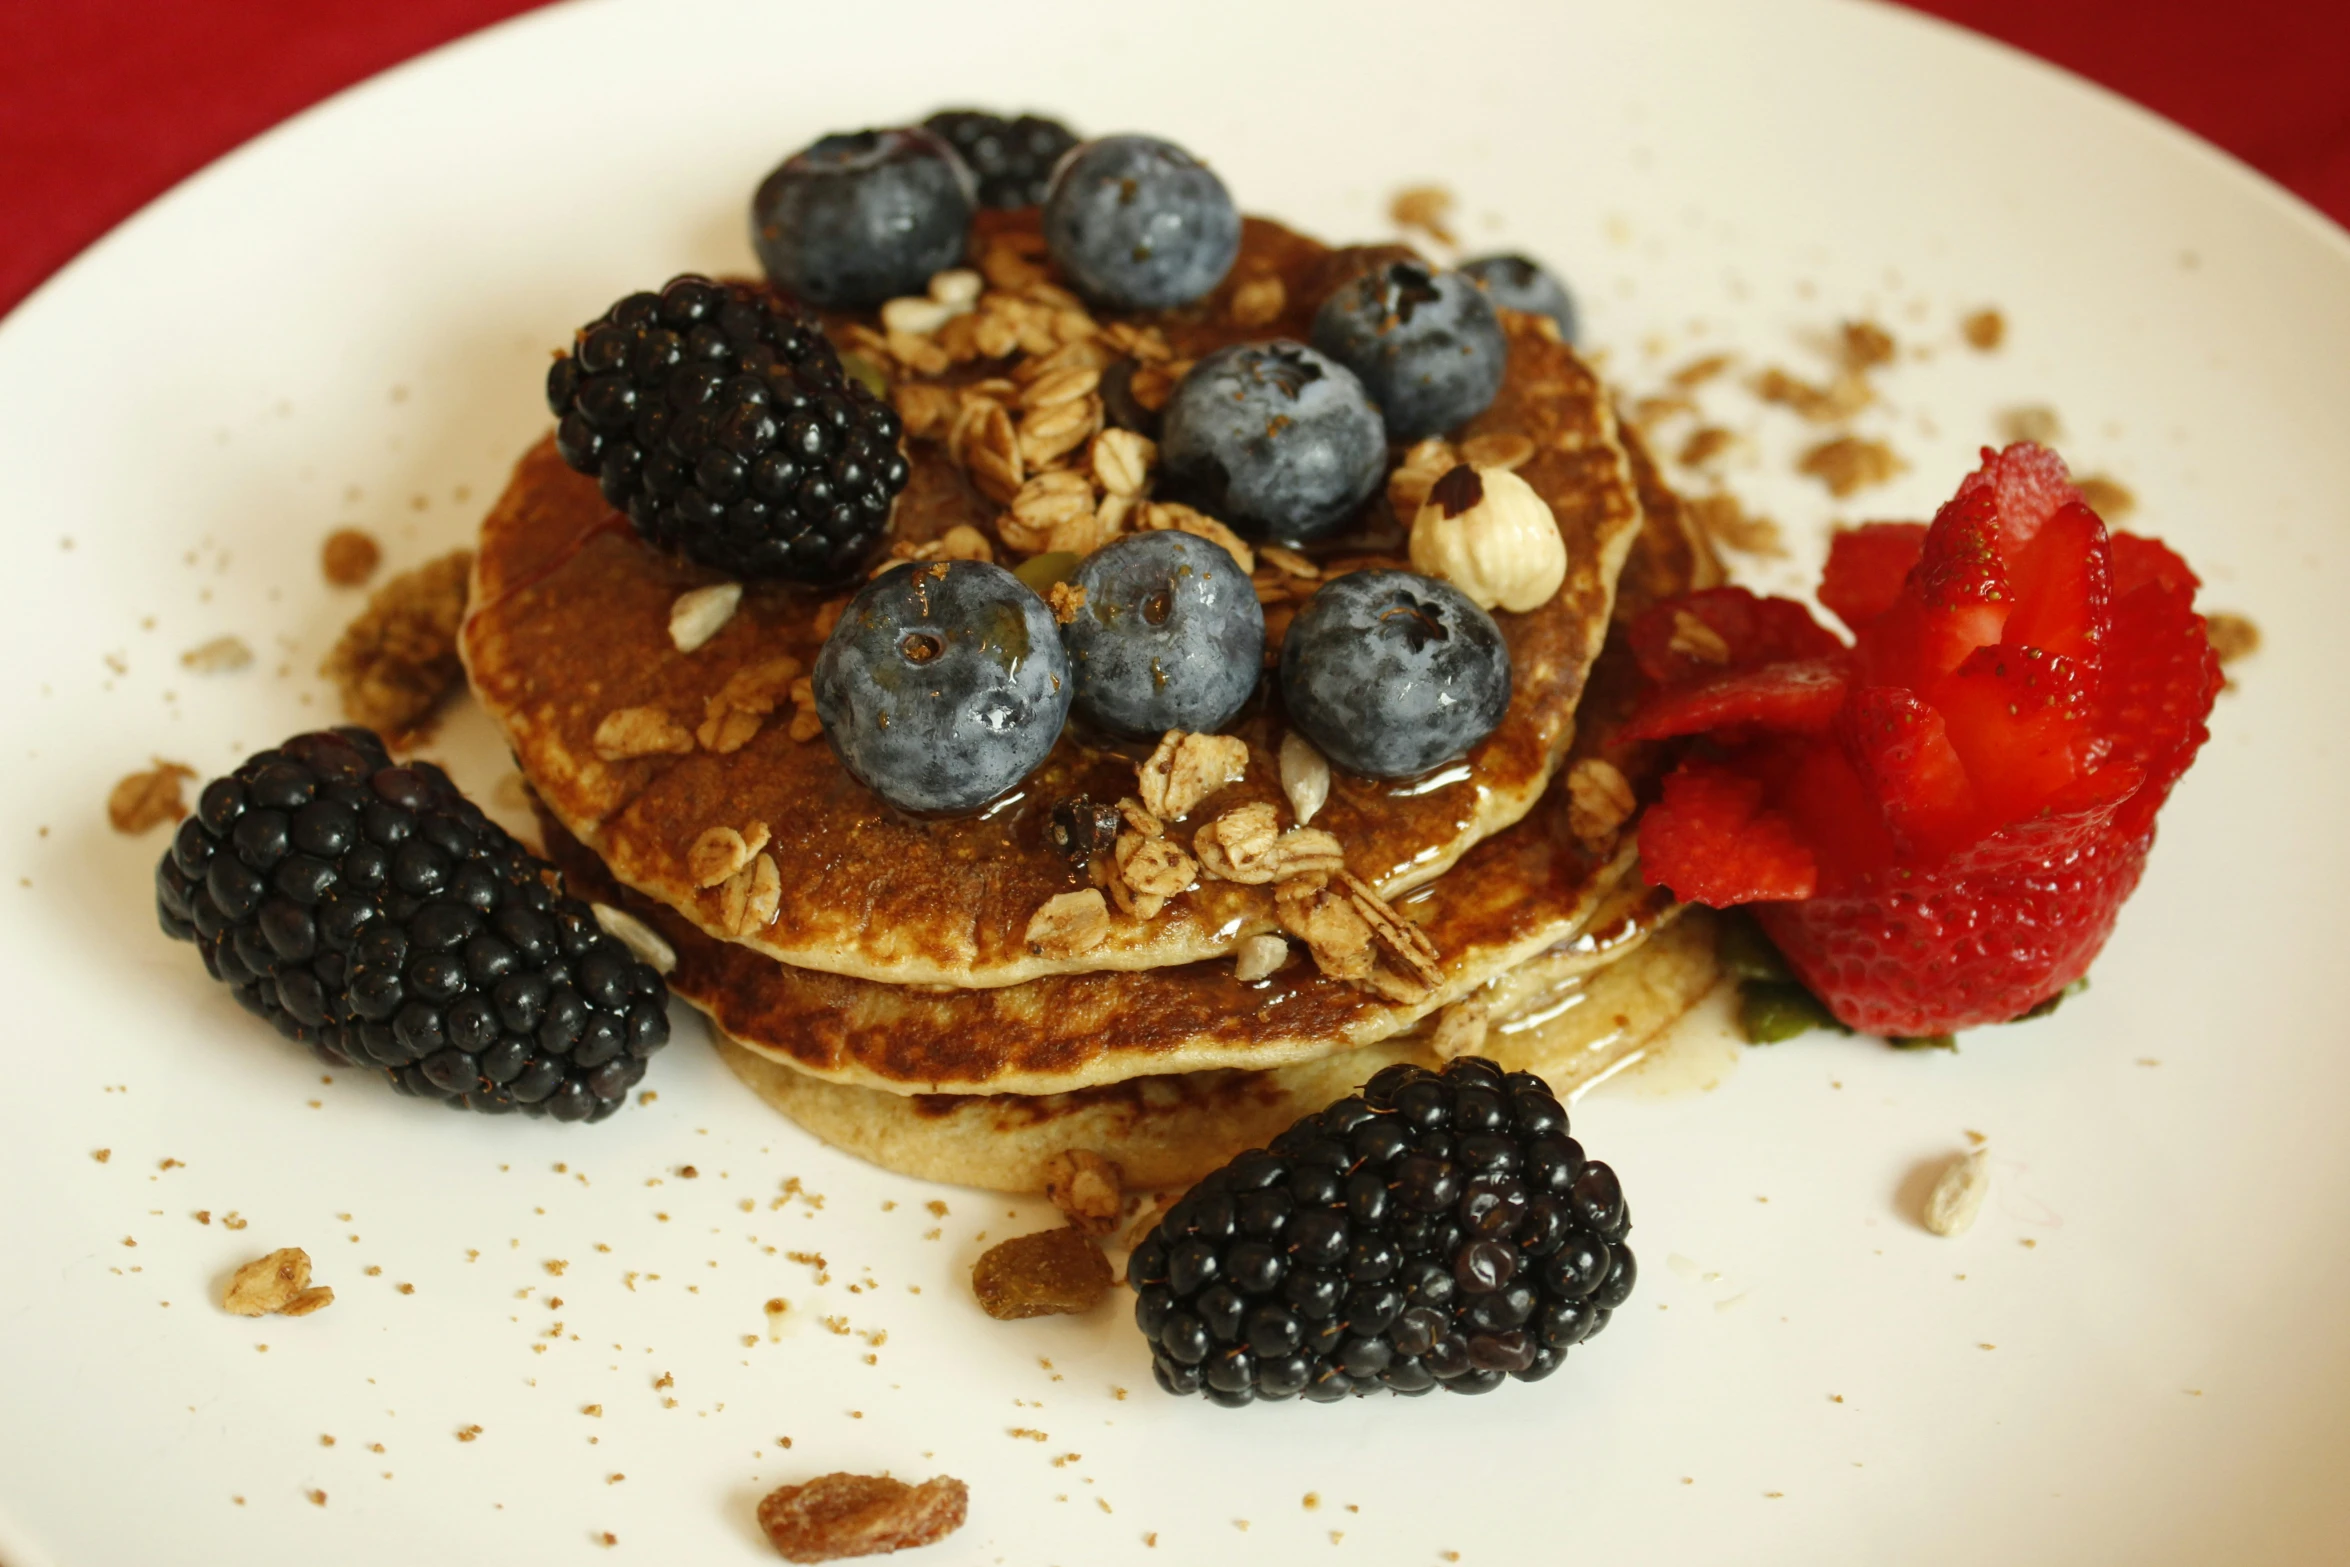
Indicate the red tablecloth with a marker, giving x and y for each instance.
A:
(104, 104)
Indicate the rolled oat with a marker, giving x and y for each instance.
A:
(142, 801)
(1186, 769)
(1069, 924)
(1087, 1188)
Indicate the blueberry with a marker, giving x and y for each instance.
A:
(857, 219)
(1390, 672)
(943, 685)
(1170, 636)
(1518, 283)
(1273, 438)
(1426, 343)
(1140, 224)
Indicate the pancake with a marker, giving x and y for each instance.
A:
(1530, 890)
(1167, 1132)
(569, 625)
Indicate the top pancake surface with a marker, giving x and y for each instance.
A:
(570, 622)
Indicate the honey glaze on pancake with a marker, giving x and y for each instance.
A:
(1170, 1131)
(570, 623)
(1523, 892)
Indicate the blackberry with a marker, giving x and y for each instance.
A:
(1434, 1230)
(718, 418)
(1013, 159)
(368, 910)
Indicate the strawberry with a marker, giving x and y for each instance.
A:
(1712, 836)
(1939, 825)
(2024, 722)
(1954, 600)
(1697, 635)
(1901, 749)
(1865, 569)
(1799, 696)
(2063, 586)
(1983, 938)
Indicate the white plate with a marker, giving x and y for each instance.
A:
(2135, 1355)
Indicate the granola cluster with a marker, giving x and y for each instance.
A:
(397, 661)
(1031, 429)
(276, 1285)
(1352, 933)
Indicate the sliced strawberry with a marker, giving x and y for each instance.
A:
(1865, 569)
(2024, 723)
(2162, 679)
(1952, 846)
(1711, 841)
(1898, 746)
(2063, 585)
(2138, 561)
(1834, 809)
(1697, 636)
(2031, 484)
(1955, 600)
(1789, 698)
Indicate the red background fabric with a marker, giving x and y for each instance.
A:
(105, 104)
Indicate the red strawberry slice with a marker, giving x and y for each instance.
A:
(2161, 679)
(1955, 600)
(2023, 721)
(2031, 485)
(1835, 811)
(2138, 561)
(1866, 566)
(2063, 585)
(1790, 698)
(1899, 747)
(1711, 841)
(1697, 636)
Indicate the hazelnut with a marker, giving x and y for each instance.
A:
(1486, 532)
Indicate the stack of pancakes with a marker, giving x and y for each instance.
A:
(870, 974)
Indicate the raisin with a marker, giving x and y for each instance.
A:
(1041, 1275)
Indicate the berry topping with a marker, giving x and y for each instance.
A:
(1437, 1230)
(1426, 344)
(1866, 567)
(718, 419)
(370, 911)
(1013, 159)
(1939, 825)
(1390, 673)
(943, 685)
(859, 218)
(1170, 636)
(1274, 438)
(1517, 283)
(1140, 224)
